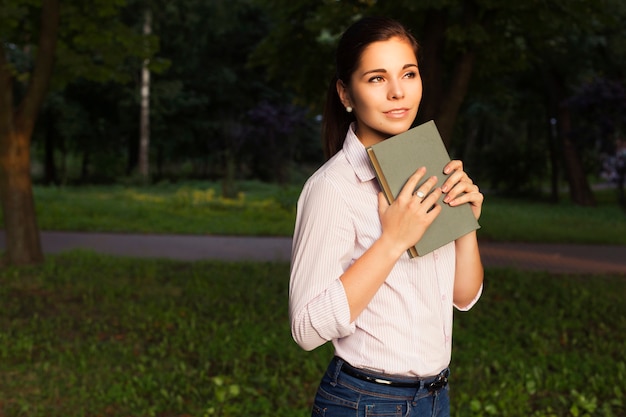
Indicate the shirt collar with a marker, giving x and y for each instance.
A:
(356, 154)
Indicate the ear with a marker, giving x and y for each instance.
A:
(344, 94)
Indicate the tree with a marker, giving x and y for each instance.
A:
(199, 105)
(451, 32)
(563, 47)
(599, 107)
(272, 130)
(467, 46)
(16, 127)
(90, 44)
(144, 123)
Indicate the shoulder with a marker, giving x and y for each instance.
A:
(334, 173)
(328, 188)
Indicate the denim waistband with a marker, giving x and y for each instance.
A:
(433, 383)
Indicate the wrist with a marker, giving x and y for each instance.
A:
(390, 247)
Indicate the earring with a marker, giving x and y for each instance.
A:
(349, 109)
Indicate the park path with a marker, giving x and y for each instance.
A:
(560, 258)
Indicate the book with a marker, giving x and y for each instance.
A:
(395, 159)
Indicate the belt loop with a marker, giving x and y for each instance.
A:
(335, 375)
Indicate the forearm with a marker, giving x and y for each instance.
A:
(469, 273)
(365, 276)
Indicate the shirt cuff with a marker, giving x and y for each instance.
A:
(330, 316)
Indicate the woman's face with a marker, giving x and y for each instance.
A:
(385, 90)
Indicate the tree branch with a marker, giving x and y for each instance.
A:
(44, 63)
(6, 95)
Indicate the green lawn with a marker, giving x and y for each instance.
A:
(92, 335)
(269, 210)
(196, 208)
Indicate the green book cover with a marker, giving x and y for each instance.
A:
(397, 158)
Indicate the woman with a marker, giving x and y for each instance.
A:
(388, 316)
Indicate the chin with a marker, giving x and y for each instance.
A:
(396, 130)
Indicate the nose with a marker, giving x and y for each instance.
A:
(395, 90)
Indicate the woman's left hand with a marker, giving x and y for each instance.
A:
(460, 189)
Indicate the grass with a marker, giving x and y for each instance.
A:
(93, 335)
(531, 221)
(269, 210)
(195, 208)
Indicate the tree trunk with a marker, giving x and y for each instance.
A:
(23, 244)
(554, 159)
(144, 135)
(449, 109)
(621, 196)
(443, 107)
(84, 167)
(579, 189)
(431, 64)
(229, 186)
(50, 168)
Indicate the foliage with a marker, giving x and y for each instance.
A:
(601, 106)
(86, 334)
(228, 59)
(601, 125)
(269, 210)
(509, 158)
(541, 345)
(276, 134)
(88, 138)
(538, 54)
(186, 209)
(93, 44)
(614, 167)
(200, 105)
(202, 94)
(522, 50)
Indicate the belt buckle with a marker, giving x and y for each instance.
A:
(439, 382)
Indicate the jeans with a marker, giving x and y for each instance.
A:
(341, 395)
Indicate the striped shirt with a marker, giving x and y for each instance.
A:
(407, 327)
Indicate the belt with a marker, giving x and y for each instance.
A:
(436, 384)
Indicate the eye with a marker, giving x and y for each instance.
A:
(376, 79)
(410, 74)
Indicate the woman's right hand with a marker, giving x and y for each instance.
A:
(405, 221)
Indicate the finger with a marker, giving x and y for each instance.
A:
(454, 165)
(434, 210)
(459, 188)
(455, 178)
(472, 196)
(411, 183)
(430, 202)
(426, 187)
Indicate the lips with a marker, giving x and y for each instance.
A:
(397, 113)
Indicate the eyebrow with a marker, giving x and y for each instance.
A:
(384, 70)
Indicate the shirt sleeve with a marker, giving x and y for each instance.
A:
(322, 250)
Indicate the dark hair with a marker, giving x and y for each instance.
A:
(336, 120)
